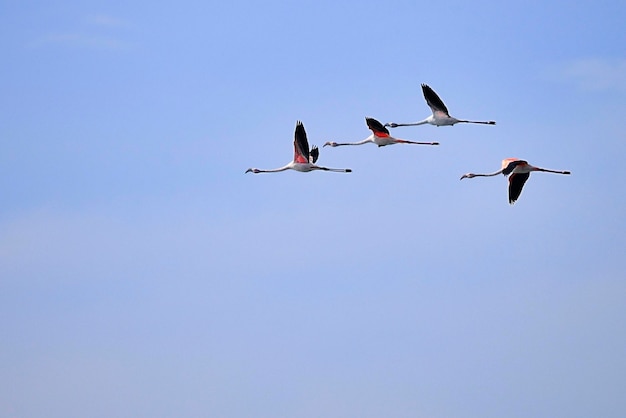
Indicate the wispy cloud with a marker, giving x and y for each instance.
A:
(83, 40)
(596, 73)
(104, 20)
(98, 31)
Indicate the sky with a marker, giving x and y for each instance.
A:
(143, 273)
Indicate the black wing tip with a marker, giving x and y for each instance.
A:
(375, 125)
(514, 198)
(433, 100)
(300, 126)
(516, 185)
(314, 154)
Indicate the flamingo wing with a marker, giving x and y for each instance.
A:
(300, 145)
(434, 102)
(516, 184)
(315, 153)
(377, 127)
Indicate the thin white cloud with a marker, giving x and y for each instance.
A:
(83, 40)
(99, 31)
(596, 73)
(104, 20)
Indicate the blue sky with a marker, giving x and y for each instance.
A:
(142, 273)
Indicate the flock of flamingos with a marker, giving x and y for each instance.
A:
(305, 158)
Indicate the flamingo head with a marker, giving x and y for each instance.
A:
(253, 170)
(331, 143)
(392, 125)
(467, 176)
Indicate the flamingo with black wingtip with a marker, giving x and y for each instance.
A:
(380, 136)
(440, 116)
(518, 172)
(304, 158)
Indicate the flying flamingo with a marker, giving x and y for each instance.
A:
(440, 116)
(303, 159)
(518, 172)
(380, 136)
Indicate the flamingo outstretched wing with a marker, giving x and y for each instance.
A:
(434, 102)
(377, 127)
(516, 184)
(314, 154)
(300, 145)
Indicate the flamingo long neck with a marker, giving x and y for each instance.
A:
(421, 122)
(276, 170)
(365, 141)
(489, 174)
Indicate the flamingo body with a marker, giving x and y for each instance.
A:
(304, 158)
(518, 172)
(380, 136)
(440, 115)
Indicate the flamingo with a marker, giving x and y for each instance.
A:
(303, 158)
(518, 172)
(380, 136)
(440, 116)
